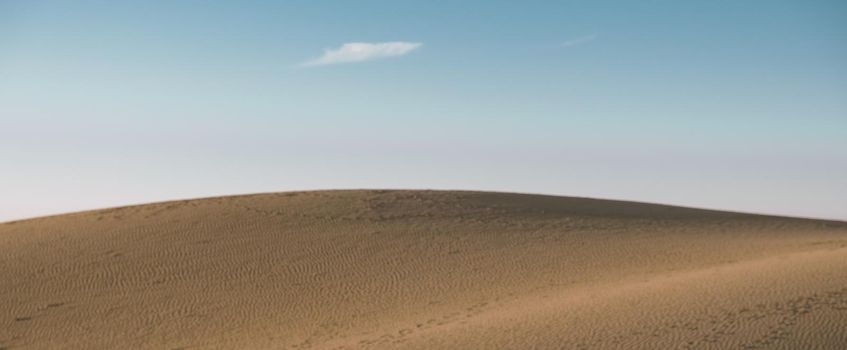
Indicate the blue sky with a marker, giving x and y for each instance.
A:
(722, 104)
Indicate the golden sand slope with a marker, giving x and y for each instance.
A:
(421, 270)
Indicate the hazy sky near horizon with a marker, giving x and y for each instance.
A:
(738, 105)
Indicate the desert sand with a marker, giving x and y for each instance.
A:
(421, 270)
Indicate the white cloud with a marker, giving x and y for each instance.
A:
(579, 41)
(358, 52)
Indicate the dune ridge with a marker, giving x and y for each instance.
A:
(386, 269)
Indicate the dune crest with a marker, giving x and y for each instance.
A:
(421, 270)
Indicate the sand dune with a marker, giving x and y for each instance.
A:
(421, 270)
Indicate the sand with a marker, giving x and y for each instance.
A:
(421, 270)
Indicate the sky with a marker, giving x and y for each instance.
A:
(736, 105)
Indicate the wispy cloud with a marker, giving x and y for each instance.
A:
(579, 40)
(360, 52)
